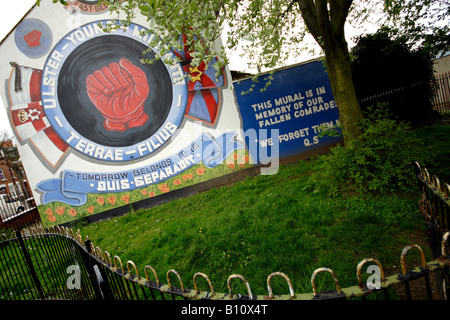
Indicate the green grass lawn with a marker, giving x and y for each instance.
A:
(265, 224)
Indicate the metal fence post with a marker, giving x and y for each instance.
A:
(97, 277)
(30, 266)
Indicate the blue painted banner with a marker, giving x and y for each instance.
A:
(74, 186)
(299, 103)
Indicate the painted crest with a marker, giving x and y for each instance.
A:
(33, 37)
(103, 102)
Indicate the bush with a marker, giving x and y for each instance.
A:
(381, 161)
(391, 71)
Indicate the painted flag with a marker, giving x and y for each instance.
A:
(203, 105)
(203, 94)
(28, 119)
(28, 116)
(24, 85)
(49, 145)
(185, 53)
(203, 76)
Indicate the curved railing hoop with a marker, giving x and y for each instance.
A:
(154, 273)
(179, 279)
(245, 282)
(313, 278)
(362, 263)
(211, 288)
(403, 257)
(281, 274)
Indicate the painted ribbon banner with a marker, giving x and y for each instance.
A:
(73, 187)
(299, 103)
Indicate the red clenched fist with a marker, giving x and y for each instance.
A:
(119, 91)
(33, 38)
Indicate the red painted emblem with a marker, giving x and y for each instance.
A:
(119, 91)
(33, 38)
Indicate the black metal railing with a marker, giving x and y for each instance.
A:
(57, 264)
(441, 98)
(434, 205)
(17, 208)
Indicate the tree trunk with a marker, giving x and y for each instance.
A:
(325, 20)
(340, 75)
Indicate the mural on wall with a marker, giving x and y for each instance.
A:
(290, 114)
(97, 129)
(104, 130)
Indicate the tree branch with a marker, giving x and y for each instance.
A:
(309, 15)
(323, 20)
(339, 11)
(288, 8)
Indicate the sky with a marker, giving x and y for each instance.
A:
(13, 11)
(11, 14)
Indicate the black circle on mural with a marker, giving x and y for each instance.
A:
(79, 110)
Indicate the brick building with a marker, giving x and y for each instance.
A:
(12, 176)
